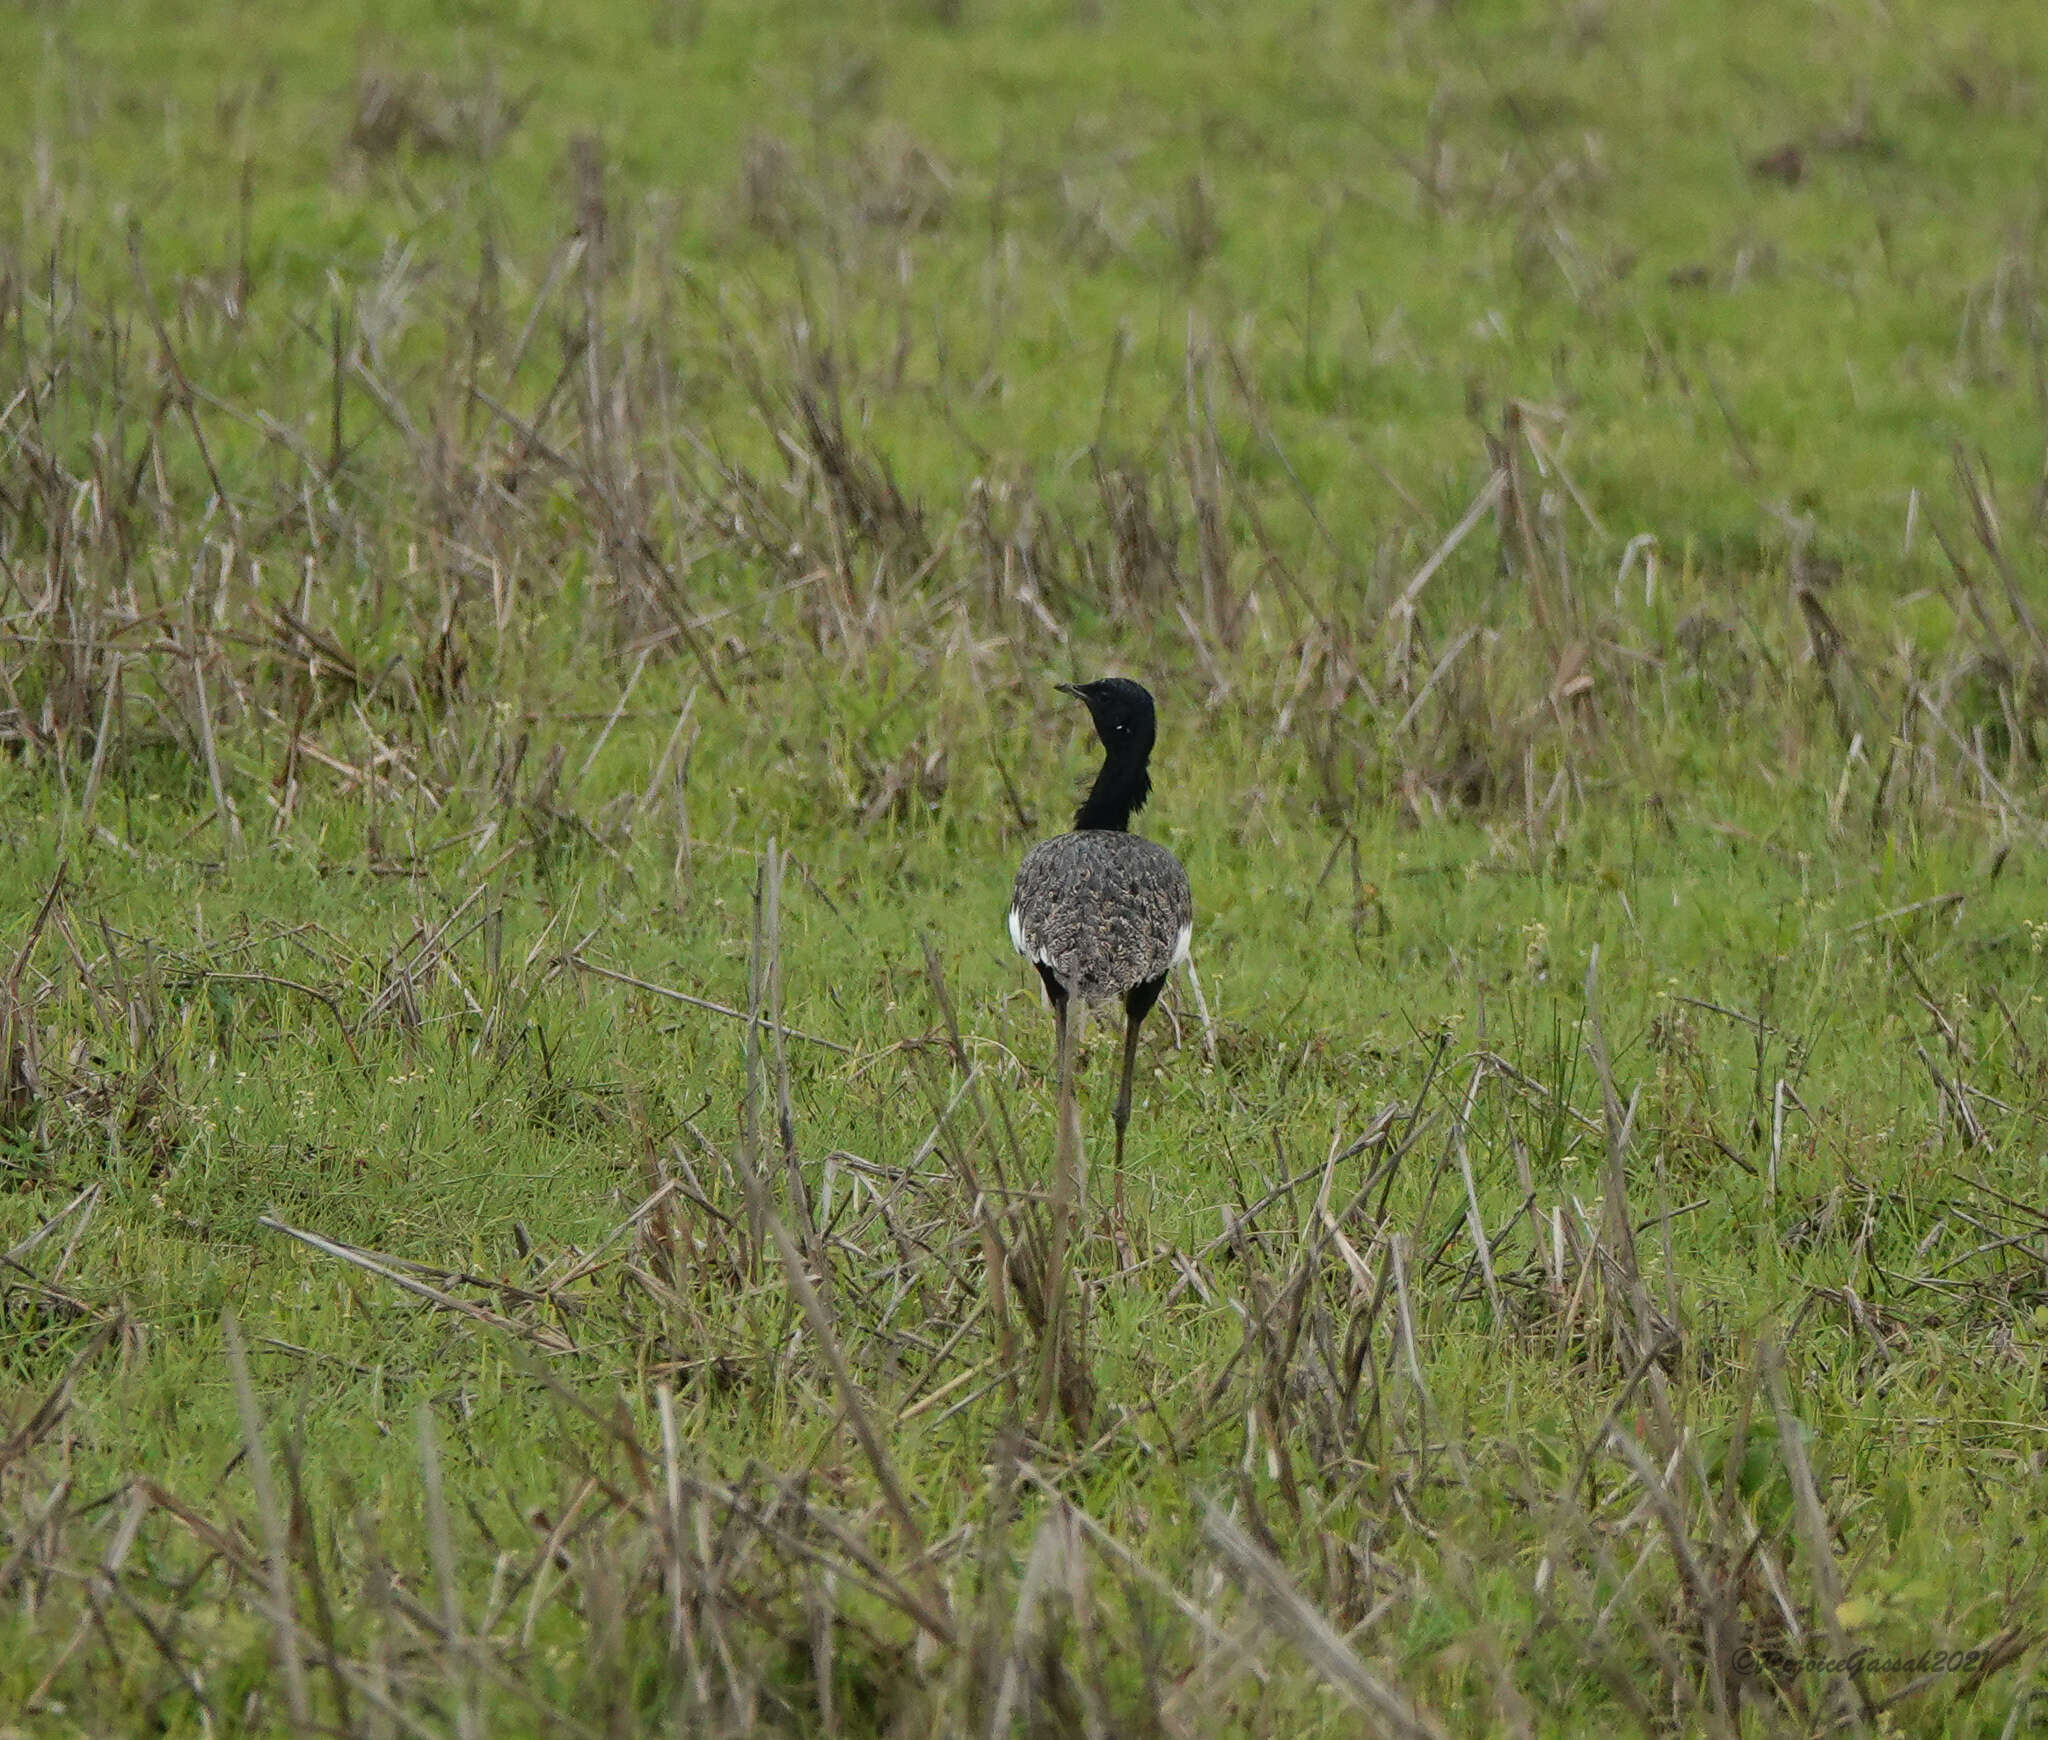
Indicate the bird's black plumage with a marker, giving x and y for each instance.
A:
(1101, 913)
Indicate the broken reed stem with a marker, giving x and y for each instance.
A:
(584, 964)
(1202, 1011)
(1709, 1603)
(994, 1249)
(934, 1614)
(441, 1547)
(683, 1652)
(90, 797)
(276, 1540)
(750, 1100)
(224, 811)
(539, 1334)
(785, 1116)
(1475, 1222)
(1285, 1610)
(181, 385)
(1617, 1229)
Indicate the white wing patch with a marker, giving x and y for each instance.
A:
(1180, 942)
(1021, 946)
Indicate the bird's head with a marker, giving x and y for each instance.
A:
(1122, 711)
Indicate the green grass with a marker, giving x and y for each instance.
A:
(536, 575)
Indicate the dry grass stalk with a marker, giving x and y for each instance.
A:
(277, 1556)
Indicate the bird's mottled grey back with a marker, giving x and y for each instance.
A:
(1105, 910)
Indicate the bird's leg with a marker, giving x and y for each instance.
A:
(1138, 1003)
(1122, 1114)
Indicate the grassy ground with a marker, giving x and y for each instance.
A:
(537, 542)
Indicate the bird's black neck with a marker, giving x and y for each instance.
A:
(1120, 790)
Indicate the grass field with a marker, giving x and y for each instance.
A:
(537, 542)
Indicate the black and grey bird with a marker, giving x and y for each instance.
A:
(1102, 914)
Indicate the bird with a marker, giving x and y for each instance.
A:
(1101, 913)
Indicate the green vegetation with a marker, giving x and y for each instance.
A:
(536, 545)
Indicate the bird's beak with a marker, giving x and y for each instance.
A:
(1069, 689)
